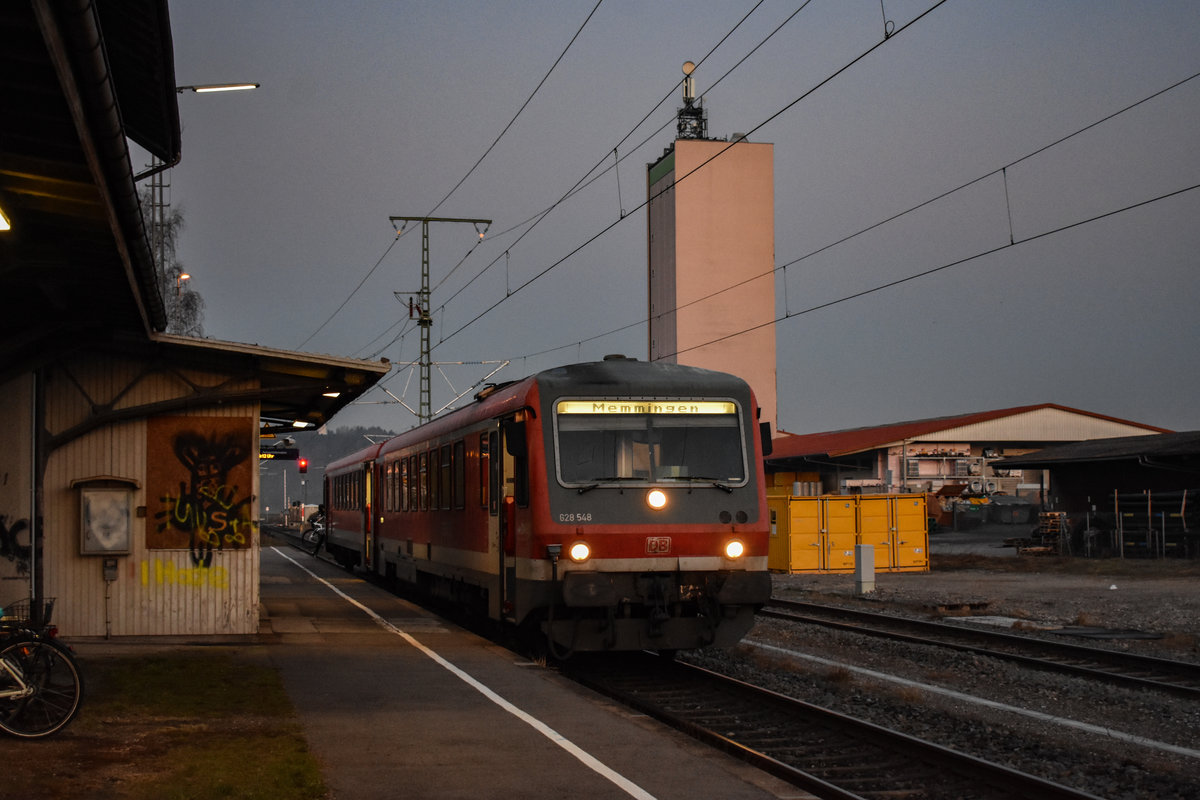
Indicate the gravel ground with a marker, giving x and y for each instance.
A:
(1042, 594)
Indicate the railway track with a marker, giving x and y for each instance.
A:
(1175, 677)
(825, 753)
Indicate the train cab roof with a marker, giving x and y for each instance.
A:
(615, 376)
(618, 375)
(368, 453)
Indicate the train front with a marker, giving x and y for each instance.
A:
(655, 528)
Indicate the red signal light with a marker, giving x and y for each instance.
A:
(303, 464)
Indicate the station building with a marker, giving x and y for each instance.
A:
(128, 456)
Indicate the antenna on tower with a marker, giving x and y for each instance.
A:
(692, 122)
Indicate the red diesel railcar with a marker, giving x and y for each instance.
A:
(613, 505)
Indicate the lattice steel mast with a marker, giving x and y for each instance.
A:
(425, 320)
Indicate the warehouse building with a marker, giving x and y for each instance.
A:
(931, 454)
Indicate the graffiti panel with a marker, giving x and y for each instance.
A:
(16, 449)
(199, 484)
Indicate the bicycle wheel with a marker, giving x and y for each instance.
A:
(40, 688)
(312, 539)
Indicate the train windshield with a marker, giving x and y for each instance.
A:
(655, 441)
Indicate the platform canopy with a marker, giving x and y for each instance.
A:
(79, 81)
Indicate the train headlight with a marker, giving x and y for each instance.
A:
(734, 549)
(579, 552)
(656, 499)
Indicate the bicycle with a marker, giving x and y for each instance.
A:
(40, 684)
(313, 536)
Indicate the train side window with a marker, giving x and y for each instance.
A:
(387, 487)
(397, 485)
(445, 485)
(404, 484)
(483, 470)
(414, 483)
(517, 447)
(521, 480)
(424, 481)
(494, 473)
(435, 480)
(460, 474)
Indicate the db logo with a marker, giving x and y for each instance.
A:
(658, 545)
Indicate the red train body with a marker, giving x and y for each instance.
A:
(607, 506)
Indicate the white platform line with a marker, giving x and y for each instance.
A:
(626, 785)
(1070, 723)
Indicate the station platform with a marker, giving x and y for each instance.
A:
(397, 703)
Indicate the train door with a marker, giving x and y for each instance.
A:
(368, 521)
(508, 463)
(502, 464)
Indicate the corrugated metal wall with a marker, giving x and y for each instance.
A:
(155, 592)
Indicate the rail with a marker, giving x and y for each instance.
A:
(1129, 669)
(828, 754)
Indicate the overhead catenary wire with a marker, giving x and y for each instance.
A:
(461, 182)
(524, 105)
(604, 230)
(940, 196)
(950, 265)
(591, 176)
(588, 177)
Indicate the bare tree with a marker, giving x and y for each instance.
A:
(184, 307)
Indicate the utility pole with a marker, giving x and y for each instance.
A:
(425, 320)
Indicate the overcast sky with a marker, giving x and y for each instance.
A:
(1062, 271)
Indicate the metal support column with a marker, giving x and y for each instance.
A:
(425, 320)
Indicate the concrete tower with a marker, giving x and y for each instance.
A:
(712, 255)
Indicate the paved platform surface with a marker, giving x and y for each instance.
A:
(404, 705)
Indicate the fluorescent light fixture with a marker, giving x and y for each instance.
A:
(5, 225)
(217, 87)
(331, 394)
(301, 424)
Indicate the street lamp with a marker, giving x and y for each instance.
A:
(183, 276)
(217, 87)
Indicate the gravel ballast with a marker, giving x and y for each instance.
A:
(1112, 742)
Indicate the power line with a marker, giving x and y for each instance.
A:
(892, 218)
(519, 110)
(370, 272)
(950, 265)
(460, 183)
(586, 181)
(699, 167)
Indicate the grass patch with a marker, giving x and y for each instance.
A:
(192, 724)
(205, 684)
(253, 765)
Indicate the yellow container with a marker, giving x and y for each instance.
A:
(818, 534)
